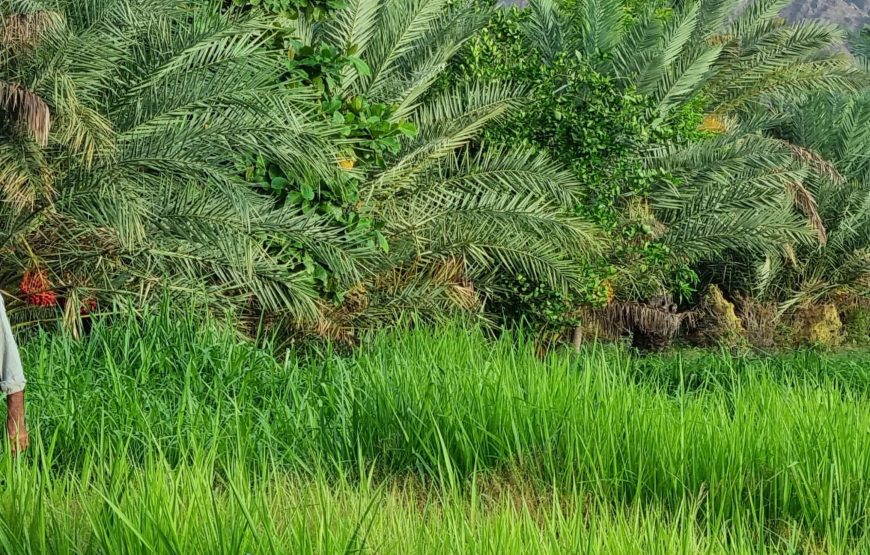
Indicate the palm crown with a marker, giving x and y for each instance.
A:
(447, 201)
(118, 163)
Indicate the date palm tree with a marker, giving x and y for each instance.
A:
(740, 54)
(122, 122)
(457, 214)
(834, 126)
(741, 189)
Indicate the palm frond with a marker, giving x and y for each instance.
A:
(639, 45)
(24, 29)
(545, 29)
(405, 46)
(601, 24)
(353, 27)
(500, 211)
(448, 121)
(405, 29)
(31, 111)
(152, 104)
(673, 42)
(733, 195)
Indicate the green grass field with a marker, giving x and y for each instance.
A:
(171, 436)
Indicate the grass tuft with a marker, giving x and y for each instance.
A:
(171, 435)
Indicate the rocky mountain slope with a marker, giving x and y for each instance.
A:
(849, 13)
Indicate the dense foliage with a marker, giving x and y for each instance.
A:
(317, 9)
(331, 166)
(587, 120)
(671, 134)
(119, 157)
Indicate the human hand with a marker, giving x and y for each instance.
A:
(16, 425)
(16, 433)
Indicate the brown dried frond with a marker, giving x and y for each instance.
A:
(25, 29)
(32, 111)
(450, 275)
(806, 201)
(662, 321)
(337, 323)
(428, 281)
(449, 270)
(760, 320)
(816, 162)
(847, 298)
(718, 322)
(334, 324)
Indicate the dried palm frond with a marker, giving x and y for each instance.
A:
(31, 110)
(429, 292)
(760, 320)
(818, 163)
(25, 29)
(713, 123)
(451, 274)
(815, 162)
(717, 322)
(807, 204)
(659, 323)
(720, 39)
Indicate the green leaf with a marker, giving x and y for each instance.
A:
(279, 183)
(361, 67)
(382, 242)
(307, 191)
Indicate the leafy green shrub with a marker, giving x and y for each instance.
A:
(371, 129)
(368, 133)
(543, 308)
(597, 127)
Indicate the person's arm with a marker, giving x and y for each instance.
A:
(16, 425)
(12, 383)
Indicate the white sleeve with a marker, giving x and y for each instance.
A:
(11, 373)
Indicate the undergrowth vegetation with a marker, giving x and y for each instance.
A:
(168, 433)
